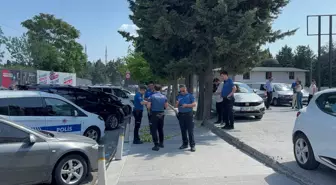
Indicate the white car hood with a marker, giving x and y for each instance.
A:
(247, 97)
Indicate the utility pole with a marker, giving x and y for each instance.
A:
(105, 55)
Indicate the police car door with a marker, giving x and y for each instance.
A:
(62, 116)
(27, 111)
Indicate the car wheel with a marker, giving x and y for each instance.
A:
(71, 170)
(259, 117)
(112, 122)
(304, 154)
(93, 133)
(275, 102)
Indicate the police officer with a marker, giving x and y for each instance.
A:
(149, 92)
(185, 103)
(228, 91)
(157, 103)
(137, 112)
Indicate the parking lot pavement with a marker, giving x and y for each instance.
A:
(215, 162)
(273, 136)
(110, 141)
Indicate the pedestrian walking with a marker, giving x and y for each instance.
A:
(149, 93)
(219, 102)
(269, 92)
(227, 93)
(185, 104)
(294, 102)
(157, 103)
(312, 90)
(139, 103)
(299, 95)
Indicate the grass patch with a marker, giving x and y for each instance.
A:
(146, 137)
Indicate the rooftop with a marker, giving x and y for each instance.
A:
(273, 69)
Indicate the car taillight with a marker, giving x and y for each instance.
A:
(298, 114)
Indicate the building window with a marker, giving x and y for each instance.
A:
(291, 75)
(246, 76)
(268, 75)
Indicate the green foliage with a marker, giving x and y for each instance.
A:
(53, 45)
(138, 67)
(2, 41)
(18, 48)
(304, 56)
(285, 57)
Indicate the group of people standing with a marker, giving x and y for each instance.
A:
(297, 88)
(224, 90)
(156, 103)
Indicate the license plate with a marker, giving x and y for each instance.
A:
(246, 109)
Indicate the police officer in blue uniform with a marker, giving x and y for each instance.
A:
(137, 112)
(157, 103)
(185, 103)
(228, 99)
(149, 92)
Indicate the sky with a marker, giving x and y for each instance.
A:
(99, 21)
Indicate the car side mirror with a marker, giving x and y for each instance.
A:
(32, 139)
(254, 90)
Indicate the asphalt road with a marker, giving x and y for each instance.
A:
(110, 141)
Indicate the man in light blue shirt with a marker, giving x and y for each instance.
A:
(269, 91)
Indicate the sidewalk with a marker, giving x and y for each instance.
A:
(214, 162)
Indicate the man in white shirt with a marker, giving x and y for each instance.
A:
(219, 101)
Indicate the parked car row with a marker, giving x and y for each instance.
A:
(282, 93)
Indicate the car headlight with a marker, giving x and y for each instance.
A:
(101, 118)
(95, 147)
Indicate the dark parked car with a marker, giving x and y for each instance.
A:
(110, 109)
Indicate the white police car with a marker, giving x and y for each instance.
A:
(50, 112)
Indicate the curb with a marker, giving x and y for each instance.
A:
(259, 156)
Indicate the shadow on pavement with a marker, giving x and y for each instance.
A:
(279, 179)
(172, 144)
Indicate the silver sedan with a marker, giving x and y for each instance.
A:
(31, 157)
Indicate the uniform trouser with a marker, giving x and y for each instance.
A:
(219, 109)
(228, 116)
(149, 120)
(294, 100)
(137, 123)
(187, 128)
(157, 121)
(269, 99)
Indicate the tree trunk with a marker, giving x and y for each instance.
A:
(174, 90)
(191, 83)
(208, 89)
(200, 104)
(169, 91)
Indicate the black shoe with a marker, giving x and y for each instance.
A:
(231, 127)
(137, 142)
(183, 147)
(226, 127)
(192, 149)
(161, 145)
(156, 148)
(217, 122)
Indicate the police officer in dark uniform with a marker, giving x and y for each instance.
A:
(137, 112)
(228, 91)
(149, 92)
(157, 103)
(185, 103)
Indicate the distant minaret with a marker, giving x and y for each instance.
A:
(85, 50)
(105, 55)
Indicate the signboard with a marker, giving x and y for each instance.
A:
(51, 77)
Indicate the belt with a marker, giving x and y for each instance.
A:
(185, 112)
(157, 111)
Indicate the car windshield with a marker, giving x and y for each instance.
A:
(282, 87)
(243, 88)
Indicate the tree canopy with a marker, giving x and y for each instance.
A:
(180, 37)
